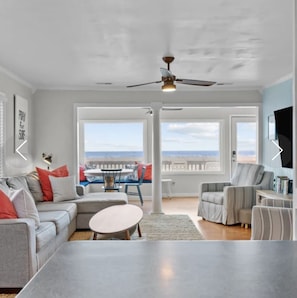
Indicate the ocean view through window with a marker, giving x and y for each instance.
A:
(194, 146)
(113, 144)
(191, 146)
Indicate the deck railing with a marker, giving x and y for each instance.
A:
(167, 165)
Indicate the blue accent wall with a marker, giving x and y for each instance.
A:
(276, 97)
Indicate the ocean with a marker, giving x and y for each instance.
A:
(139, 154)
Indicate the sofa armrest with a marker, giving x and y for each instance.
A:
(272, 223)
(284, 203)
(80, 190)
(18, 261)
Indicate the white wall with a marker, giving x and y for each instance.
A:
(54, 121)
(11, 86)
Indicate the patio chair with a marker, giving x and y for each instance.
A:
(136, 184)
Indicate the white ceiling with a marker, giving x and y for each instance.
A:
(74, 44)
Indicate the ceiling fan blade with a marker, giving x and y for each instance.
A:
(156, 82)
(166, 73)
(172, 109)
(195, 82)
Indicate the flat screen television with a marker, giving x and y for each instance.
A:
(284, 133)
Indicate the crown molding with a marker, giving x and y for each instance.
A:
(17, 78)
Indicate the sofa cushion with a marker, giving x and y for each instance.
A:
(93, 202)
(3, 186)
(59, 218)
(45, 234)
(45, 182)
(34, 186)
(24, 205)
(63, 188)
(70, 208)
(247, 174)
(7, 209)
(18, 182)
(213, 197)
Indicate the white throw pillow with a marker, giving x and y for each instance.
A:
(63, 188)
(134, 175)
(24, 205)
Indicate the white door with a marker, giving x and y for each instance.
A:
(244, 140)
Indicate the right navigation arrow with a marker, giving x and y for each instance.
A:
(280, 150)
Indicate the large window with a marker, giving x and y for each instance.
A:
(112, 144)
(191, 146)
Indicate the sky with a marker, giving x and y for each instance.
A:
(177, 136)
(114, 136)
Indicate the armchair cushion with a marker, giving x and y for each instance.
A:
(213, 197)
(247, 174)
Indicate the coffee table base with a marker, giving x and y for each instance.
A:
(127, 234)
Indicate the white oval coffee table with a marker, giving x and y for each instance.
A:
(116, 219)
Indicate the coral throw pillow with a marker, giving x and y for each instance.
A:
(7, 209)
(82, 176)
(45, 182)
(148, 171)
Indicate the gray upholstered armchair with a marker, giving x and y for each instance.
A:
(221, 201)
(272, 220)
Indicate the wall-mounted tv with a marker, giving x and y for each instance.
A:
(284, 132)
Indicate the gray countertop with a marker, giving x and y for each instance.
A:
(168, 269)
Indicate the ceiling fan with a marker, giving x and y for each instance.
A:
(169, 79)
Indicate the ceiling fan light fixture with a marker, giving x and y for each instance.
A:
(168, 87)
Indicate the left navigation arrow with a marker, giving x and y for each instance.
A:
(18, 152)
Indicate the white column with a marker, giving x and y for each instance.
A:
(157, 162)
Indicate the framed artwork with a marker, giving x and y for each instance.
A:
(271, 128)
(20, 123)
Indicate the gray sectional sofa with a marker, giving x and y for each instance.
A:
(25, 249)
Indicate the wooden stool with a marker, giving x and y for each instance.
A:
(245, 216)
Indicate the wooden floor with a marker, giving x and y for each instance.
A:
(210, 231)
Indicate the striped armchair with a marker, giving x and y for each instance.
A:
(220, 202)
(272, 220)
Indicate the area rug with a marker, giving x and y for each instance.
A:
(158, 227)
